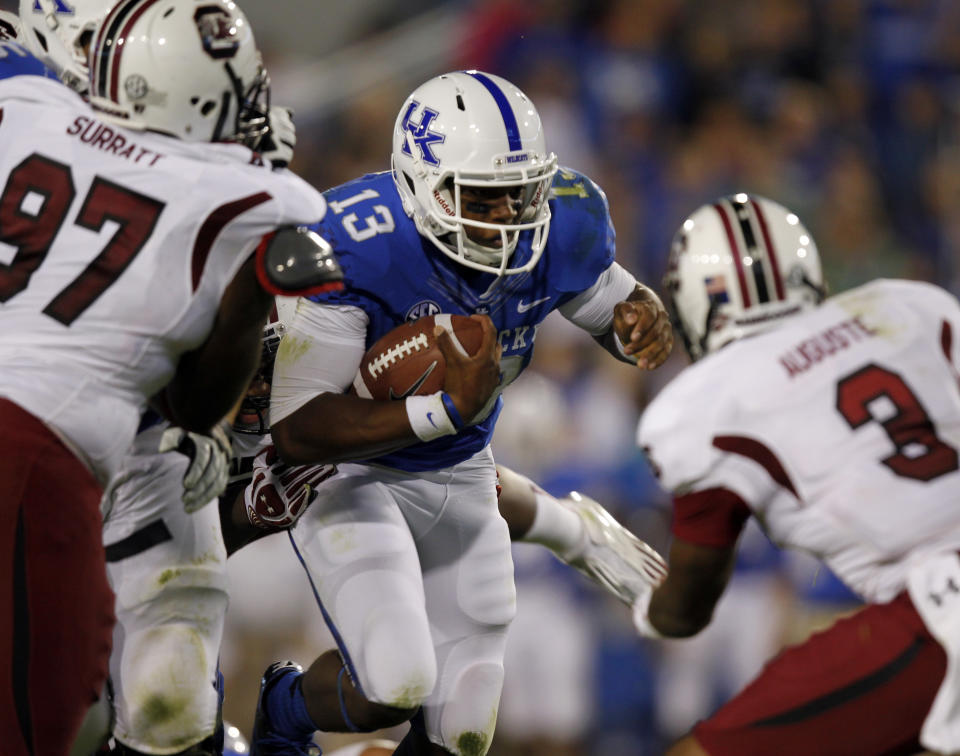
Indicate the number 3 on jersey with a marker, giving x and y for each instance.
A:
(33, 207)
(380, 222)
(921, 454)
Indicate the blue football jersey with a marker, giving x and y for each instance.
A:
(396, 275)
(16, 60)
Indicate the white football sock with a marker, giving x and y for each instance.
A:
(556, 527)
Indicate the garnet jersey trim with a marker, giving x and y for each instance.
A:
(712, 517)
(759, 453)
(214, 224)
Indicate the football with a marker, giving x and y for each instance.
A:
(407, 361)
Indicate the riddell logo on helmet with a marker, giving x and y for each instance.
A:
(443, 203)
(218, 31)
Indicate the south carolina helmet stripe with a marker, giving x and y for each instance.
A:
(751, 243)
(771, 251)
(101, 47)
(736, 252)
(509, 118)
(115, 30)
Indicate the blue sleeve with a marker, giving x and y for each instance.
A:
(581, 231)
(16, 60)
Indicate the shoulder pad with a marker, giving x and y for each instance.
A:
(295, 261)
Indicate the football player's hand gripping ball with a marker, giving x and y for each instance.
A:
(471, 380)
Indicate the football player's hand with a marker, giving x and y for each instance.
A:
(643, 327)
(471, 380)
(209, 468)
(278, 143)
(278, 493)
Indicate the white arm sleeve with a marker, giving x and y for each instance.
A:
(320, 352)
(592, 309)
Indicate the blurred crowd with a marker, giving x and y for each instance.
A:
(847, 111)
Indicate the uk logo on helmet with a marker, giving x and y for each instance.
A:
(422, 136)
(218, 31)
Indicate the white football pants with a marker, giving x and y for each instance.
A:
(168, 570)
(414, 576)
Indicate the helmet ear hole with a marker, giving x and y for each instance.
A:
(207, 108)
(42, 40)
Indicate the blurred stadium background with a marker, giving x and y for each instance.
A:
(847, 111)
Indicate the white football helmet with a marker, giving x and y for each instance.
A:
(60, 32)
(737, 266)
(189, 68)
(471, 129)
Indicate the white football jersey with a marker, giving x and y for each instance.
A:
(115, 249)
(840, 429)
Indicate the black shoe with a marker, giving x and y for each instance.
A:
(266, 741)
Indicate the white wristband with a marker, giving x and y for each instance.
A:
(641, 621)
(428, 417)
(631, 357)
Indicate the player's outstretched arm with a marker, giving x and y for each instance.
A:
(683, 605)
(581, 533)
(642, 326)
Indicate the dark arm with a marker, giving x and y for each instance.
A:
(211, 379)
(333, 428)
(643, 325)
(339, 427)
(683, 605)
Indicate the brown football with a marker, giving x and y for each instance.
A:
(407, 360)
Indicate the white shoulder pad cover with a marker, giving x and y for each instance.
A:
(676, 429)
(320, 352)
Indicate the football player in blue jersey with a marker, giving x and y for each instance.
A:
(407, 555)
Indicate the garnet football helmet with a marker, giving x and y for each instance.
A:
(738, 266)
(189, 68)
(60, 34)
(471, 129)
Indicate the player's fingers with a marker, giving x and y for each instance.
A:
(655, 354)
(648, 316)
(450, 353)
(488, 335)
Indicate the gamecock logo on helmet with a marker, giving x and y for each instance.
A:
(218, 31)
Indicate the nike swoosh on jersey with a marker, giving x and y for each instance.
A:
(523, 306)
(416, 384)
